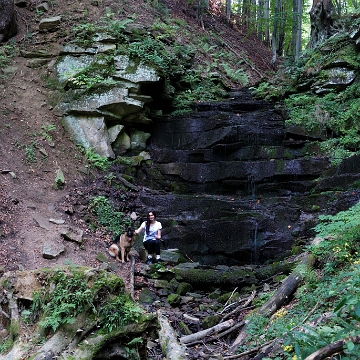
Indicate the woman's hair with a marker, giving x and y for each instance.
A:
(148, 220)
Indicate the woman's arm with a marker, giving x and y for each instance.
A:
(140, 229)
(158, 235)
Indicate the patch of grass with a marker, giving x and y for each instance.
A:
(30, 153)
(97, 160)
(114, 221)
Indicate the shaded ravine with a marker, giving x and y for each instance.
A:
(239, 187)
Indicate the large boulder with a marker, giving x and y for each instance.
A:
(119, 106)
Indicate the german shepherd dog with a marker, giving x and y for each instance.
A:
(122, 243)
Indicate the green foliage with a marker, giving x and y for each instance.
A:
(267, 91)
(113, 221)
(342, 238)
(199, 89)
(83, 34)
(96, 75)
(115, 27)
(7, 52)
(119, 311)
(155, 53)
(30, 153)
(45, 130)
(97, 160)
(71, 295)
(334, 114)
(237, 75)
(334, 288)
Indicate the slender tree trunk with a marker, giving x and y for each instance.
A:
(296, 29)
(260, 20)
(281, 28)
(267, 22)
(275, 33)
(299, 29)
(245, 13)
(228, 10)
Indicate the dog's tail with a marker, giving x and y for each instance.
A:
(111, 250)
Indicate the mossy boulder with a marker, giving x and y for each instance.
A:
(174, 299)
(183, 288)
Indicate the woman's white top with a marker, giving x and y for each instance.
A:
(152, 230)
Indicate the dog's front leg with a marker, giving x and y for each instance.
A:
(122, 255)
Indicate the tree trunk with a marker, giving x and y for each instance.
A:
(201, 334)
(299, 28)
(267, 22)
(171, 347)
(332, 349)
(275, 33)
(321, 19)
(296, 29)
(228, 10)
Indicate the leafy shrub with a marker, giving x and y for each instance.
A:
(72, 295)
(111, 220)
(97, 160)
(119, 311)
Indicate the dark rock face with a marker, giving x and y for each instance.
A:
(238, 184)
(8, 25)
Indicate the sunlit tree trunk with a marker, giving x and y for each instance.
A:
(260, 20)
(245, 15)
(228, 10)
(281, 27)
(267, 22)
(296, 28)
(275, 35)
(298, 45)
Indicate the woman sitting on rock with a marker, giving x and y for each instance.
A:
(152, 237)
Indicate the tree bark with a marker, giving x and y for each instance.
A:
(321, 19)
(172, 349)
(201, 334)
(333, 348)
(8, 24)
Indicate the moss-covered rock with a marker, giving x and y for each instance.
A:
(183, 288)
(174, 299)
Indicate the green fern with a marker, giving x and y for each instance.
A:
(235, 75)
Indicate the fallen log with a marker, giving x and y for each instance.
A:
(332, 349)
(287, 288)
(170, 346)
(203, 333)
(241, 307)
